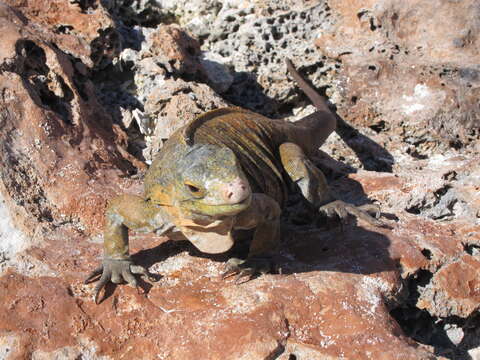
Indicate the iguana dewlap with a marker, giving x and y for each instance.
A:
(228, 169)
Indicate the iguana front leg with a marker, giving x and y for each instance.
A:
(263, 215)
(313, 185)
(124, 212)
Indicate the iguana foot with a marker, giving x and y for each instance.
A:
(342, 210)
(116, 271)
(246, 269)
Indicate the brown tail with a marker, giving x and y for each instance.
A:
(312, 130)
(318, 100)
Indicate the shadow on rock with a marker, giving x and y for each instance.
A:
(372, 156)
(347, 248)
(246, 92)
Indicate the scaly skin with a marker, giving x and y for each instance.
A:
(228, 169)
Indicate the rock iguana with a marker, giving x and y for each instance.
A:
(228, 169)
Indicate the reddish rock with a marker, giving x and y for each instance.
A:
(318, 306)
(454, 290)
(61, 156)
(426, 72)
(176, 50)
(83, 29)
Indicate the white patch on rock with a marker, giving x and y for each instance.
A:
(172, 264)
(454, 333)
(410, 109)
(13, 246)
(13, 240)
(86, 350)
(241, 300)
(143, 121)
(423, 98)
(8, 344)
(370, 289)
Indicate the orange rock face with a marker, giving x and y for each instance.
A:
(61, 155)
(426, 71)
(83, 29)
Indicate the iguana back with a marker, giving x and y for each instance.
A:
(252, 137)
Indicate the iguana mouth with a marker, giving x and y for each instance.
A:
(246, 200)
(197, 207)
(243, 203)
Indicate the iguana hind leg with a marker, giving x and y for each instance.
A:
(311, 182)
(305, 176)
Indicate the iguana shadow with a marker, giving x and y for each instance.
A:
(346, 248)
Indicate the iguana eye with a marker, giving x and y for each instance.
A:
(194, 190)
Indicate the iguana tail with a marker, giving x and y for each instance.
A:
(316, 127)
(318, 100)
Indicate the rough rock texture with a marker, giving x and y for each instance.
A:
(79, 28)
(89, 90)
(61, 155)
(427, 73)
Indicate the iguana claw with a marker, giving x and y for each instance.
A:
(116, 271)
(342, 210)
(246, 268)
(94, 274)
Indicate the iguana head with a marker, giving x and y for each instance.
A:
(202, 181)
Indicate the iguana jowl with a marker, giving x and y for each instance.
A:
(228, 169)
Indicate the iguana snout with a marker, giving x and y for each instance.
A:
(236, 191)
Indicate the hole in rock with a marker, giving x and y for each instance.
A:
(378, 127)
(451, 337)
(413, 210)
(427, 253)
(64, 29)
(472, 249)
(51, 88)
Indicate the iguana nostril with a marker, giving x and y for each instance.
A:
(236, 191)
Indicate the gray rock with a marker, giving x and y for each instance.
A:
(216, 69)
(454, 333)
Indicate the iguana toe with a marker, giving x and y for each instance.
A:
(104, 279)
(232, 267)
(140, 270)
(128, 277)
(342, 210)
(116, 271)
(95, 273)
(247, 269)
(245, 275)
